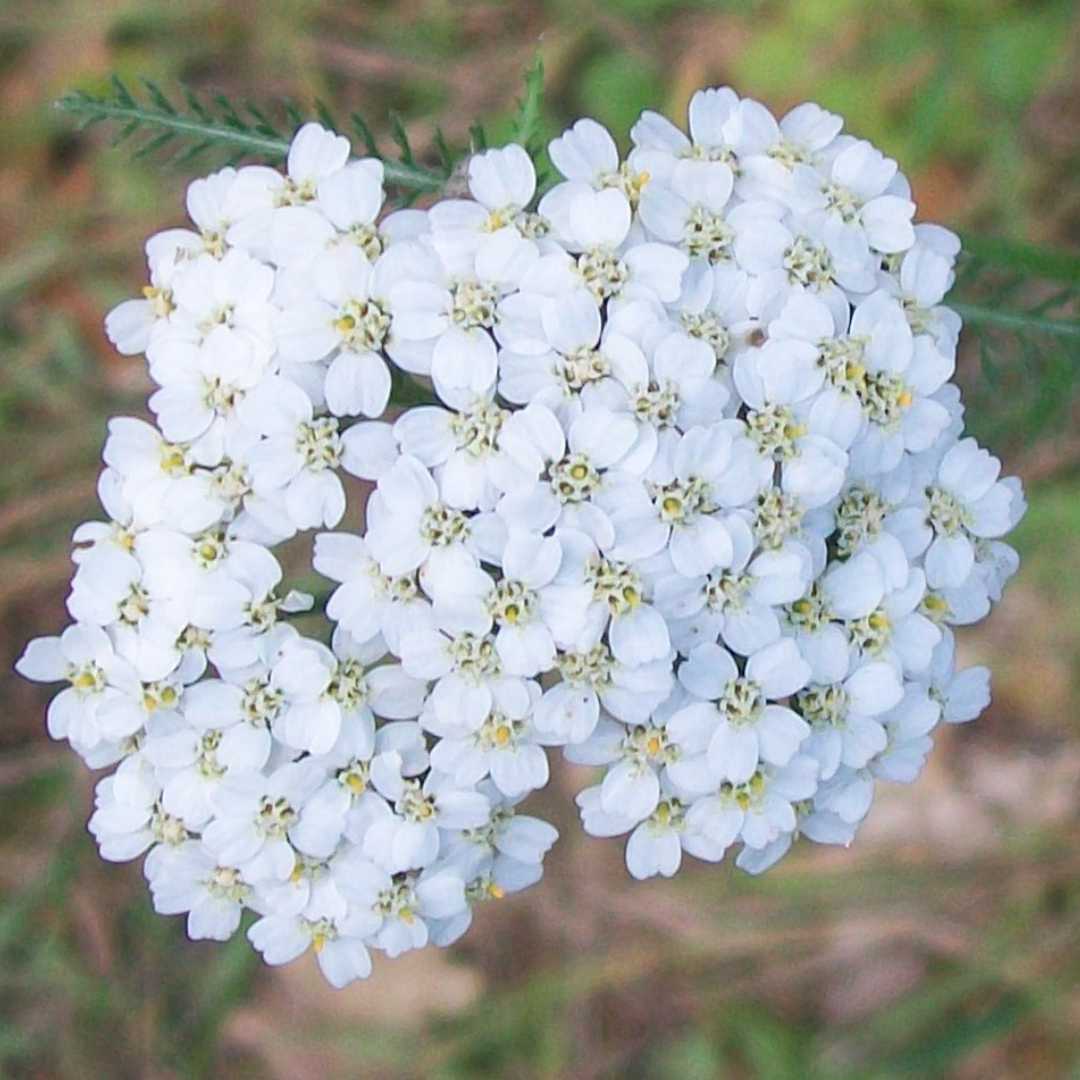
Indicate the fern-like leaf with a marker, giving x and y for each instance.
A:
(526, 126)
(157, 117)
(153, 120)
(363, 132)
(477, 137)
(1021, 308)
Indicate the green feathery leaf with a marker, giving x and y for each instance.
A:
(323, 113)
(441, 148)
(1021, 307)
(196, 122)
(526, 126)
(401, 137)
(154, 120)
(363, 132)
(157, 97)
(477, 137)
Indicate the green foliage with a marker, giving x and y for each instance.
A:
(526, 126)
(1021, 308)
(202, 125)
(621, 85)
(239, 130)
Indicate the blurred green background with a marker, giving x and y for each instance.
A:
(945, 943)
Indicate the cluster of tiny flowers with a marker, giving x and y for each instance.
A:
(691, 501)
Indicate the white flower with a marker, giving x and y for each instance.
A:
(127, 818)
(158, 478)
(965, 502)
(758, 811)
(655, 846)
(201, 384)
(296, 459)
(677, 507)
(688, 496)
(735, 724)
(559, 475)
(411, 528)
(844, 717)
(595, 226)
(503, 745)
(134, 325)
(462, 448)
(503, 182)
(347, 321)
(963, 694)
(261, 822)
(451, 306)
(333, 928)
(351, 198)
(735, 604)
(409, 838)
(186, 879)
(368, 603)
(860, 205)
(587, 153)
(257, 192)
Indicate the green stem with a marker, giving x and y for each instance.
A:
(413, 177)
(1016, 256)
(976, 314)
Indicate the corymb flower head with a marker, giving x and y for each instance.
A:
(689, 499)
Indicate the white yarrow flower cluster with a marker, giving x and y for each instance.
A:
(691, 501)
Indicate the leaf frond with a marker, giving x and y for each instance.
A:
(401, 138)
(153, 115)
(526, 125)
(363, 132)
(1020, 304)
(150, 119)
(477, 138)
